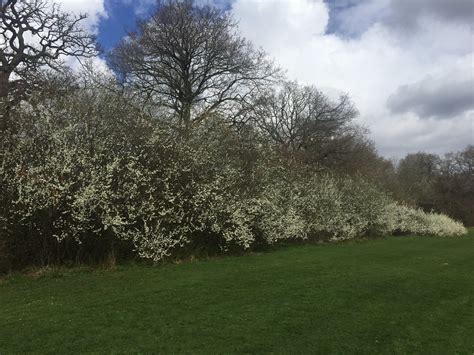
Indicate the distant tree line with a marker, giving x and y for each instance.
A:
(442, 183)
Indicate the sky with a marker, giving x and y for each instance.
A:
(408, 65)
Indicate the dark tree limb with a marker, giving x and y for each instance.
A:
(35, 34)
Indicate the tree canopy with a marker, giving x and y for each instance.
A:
(192, 61)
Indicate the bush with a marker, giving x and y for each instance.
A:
(87, 176)
(339, 208)
(405, 220)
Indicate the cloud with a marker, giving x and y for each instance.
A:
(411, 134)
(94, 9)
(434, 98)
(372, 65)
(406, 13)
(274, 24)
(353, 17)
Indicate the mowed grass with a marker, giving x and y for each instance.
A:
(391, 295)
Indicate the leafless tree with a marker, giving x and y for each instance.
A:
(444, 184)
(417, 173)
(35, 34)
(191, 60)
(302, 119)
(454, 185)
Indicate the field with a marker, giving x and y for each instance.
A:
(390, 295)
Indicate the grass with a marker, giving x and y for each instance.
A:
(392, 295)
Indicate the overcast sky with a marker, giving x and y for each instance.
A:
(407, 64)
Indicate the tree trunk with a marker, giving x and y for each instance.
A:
(4, 107)
(185, 120)
(4, 86)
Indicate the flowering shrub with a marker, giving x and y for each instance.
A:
(403, 219)
(94, 171)
(340, 208)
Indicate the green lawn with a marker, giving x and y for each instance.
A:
(393, 295)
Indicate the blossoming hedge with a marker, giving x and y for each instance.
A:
(89, 174)
(403, 219)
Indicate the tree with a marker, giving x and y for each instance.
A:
(35, 34)
(191, 60)
(303, 121)
(416, 173)
(454, 185)
(444, 184)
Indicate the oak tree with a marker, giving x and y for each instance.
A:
(191, 60)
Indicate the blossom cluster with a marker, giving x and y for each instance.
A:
(403, 219)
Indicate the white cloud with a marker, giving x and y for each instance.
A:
(94, 9)
(284, 21)
(371, 66)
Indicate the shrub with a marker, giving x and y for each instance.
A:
(88, 175)
(404, 220)
(340, 207)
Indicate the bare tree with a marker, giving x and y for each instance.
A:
(34, 34)
(191, 60)
(417, 173)
(445, 184)
(454, 186)
(301, 119)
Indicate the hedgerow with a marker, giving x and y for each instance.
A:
(87, 175)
